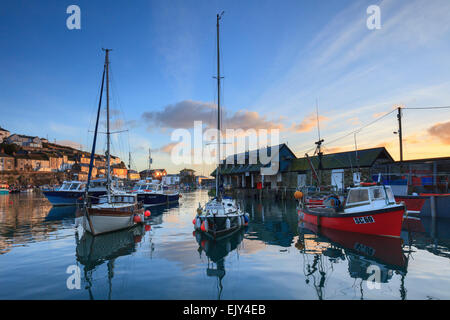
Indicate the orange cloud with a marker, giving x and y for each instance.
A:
(354, 120)
(308, 123)
(441, 131)
(169, 147)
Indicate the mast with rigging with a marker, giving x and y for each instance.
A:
(219, 16)
(108, 134)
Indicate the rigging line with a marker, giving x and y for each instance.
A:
(361, 128)
(425, 108)
(120, 141)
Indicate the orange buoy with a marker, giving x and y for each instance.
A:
(137, 239)
(298, 195)
(203, 228)
(147, 213)
(148, 227)
(137, 219)
(193, 221)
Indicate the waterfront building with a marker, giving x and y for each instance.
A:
(244, 170)
(342, 169)
(133, 175)
(153, 173)
(187, 177)
(119, 171)
(429, 175)
(171, 179)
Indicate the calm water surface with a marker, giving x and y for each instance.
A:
(276, 257)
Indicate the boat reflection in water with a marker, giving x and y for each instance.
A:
(216, 252)
(93, 251)
(61, 213)
(365, 255)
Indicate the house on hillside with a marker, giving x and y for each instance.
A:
(24, 141)
(4, 134)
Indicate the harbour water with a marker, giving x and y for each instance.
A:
(42, 248)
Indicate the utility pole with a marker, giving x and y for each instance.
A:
(399, 117)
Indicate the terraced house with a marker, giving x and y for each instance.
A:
(6, 162)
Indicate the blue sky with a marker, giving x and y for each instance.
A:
(278, 57)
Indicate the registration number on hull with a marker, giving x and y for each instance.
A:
(364, 220)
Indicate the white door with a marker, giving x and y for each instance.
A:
(356, 178)
(337, 178)
(301, 180)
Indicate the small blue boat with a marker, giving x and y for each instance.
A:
(153, 193)
(72, 192)
(4, 189)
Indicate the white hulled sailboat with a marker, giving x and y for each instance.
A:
(117, 209)
(220, 216)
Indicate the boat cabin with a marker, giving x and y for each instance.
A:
(368, 198)
(148, 187)
(72, 186)
(226, 206)
(125, 198)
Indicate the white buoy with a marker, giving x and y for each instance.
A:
(206, 225)
(198, 223)
(239, 221)
(228, 223)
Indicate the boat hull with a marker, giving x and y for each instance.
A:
(69, 198)
(4, 191)
(104, 221)
(384, 222)
(424, 204)
(217, 226)
(156, 199)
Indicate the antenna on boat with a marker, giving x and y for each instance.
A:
(149, 162)
(320, 141)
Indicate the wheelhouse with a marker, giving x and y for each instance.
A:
(72, 186)
(119, 199)
(372, 197)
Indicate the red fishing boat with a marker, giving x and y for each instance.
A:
(368, 209)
